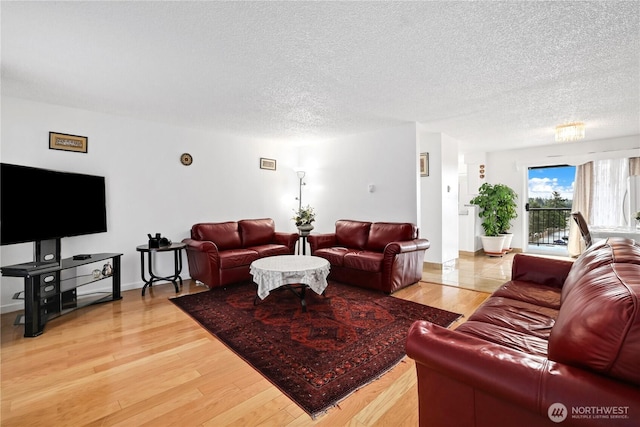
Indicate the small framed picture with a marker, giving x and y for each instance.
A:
(424, 164)
(61, 141)
(269, 164)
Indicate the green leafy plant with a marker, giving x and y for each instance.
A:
(497, 204)
(506, 207)
(304, 216)
(638, 216)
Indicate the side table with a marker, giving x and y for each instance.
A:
(176, 248)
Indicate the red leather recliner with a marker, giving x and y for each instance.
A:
(384, 256)
(557, 345)
(221, 253)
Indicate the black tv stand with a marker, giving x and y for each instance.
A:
(50, 288)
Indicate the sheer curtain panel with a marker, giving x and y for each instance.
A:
(582, 196)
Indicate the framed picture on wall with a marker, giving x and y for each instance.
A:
(61, 141)
(269, 164)
(424, 164)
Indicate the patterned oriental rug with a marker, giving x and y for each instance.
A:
(346, 339)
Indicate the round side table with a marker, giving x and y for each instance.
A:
(176, 248)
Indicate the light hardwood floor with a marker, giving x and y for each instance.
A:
(142, 361)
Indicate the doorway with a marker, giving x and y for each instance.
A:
(548, 207)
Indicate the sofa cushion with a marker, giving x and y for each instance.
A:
(545, 296)
(598, 327)
(224, 234)
(520, 316)
(334, 255)
(255, 232)
(382, 233)
(352, 234)
(364, 260)
(505, 336)
(233, 258)
(605, 252)
(270, 249)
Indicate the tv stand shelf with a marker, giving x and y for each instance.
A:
(50, 288)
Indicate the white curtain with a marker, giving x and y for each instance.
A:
(582, 197)
(610, 184)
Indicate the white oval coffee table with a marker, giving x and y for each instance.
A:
(296, 272)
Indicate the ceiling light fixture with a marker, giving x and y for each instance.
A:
(570, 132)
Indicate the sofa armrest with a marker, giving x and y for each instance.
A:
(204, 261)
(287, 239)
(532, 383)
(320, 241)
(394, 248)
(543, 271)
(200, 245)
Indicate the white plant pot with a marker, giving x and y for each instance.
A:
(508, 237)
(492, 245)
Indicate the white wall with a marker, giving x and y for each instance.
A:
(439, 196)
(339, 171)
(149, 191)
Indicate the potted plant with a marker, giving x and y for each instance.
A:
(303, 218)
(506, 212)
(496, 204)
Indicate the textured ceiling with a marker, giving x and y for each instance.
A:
(493, 75)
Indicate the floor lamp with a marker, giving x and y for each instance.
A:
(301, 175)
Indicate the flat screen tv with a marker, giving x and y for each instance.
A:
(41, 204)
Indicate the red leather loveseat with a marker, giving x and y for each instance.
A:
(221, 253)
(557, 345)
(385, 256)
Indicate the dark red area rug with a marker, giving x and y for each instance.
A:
(346, 339)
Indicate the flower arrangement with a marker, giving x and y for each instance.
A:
(304, 216)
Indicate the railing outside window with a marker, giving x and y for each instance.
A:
(549, 226)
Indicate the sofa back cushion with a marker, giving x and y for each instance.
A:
(352, 234)
(224, 234)
(604, 252)
(255, 232)
(382, 233)
(598, 326)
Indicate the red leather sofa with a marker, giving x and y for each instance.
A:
(221, 253)
(557, 345)
(385, 256)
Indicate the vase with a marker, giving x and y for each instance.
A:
(305, 229)
(506, 247)
(492, 245)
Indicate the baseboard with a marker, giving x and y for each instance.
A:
(439, 267)
(470, 254)
(480, 252)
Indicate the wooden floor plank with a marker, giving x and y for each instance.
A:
(142, 361)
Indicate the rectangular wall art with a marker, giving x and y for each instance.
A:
(61, 141)
(269, 164)
(424, 164)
